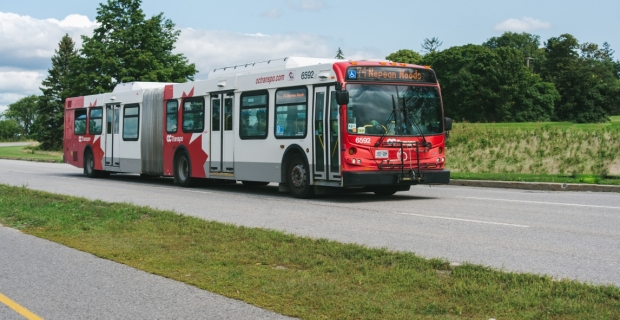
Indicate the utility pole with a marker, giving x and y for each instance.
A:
(528, 61)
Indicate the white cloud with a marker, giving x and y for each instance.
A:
(75, 21)
(213, 49)
(30, 43)
(16, 84)
(307, 5)
(271, 14)
(20, 81)
(525, 24)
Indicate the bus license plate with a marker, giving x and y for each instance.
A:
(381, 154)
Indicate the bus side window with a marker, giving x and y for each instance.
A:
(172, 116)
(79, 123)
(291, 113)
(193, 114)
(253, 120)
(96, 119)
(131, 122)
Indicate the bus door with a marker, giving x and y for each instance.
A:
(112, 136)
(222, 137)
(326, 134)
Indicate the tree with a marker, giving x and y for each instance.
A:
(339, 54)
(480, 84)
(585, 77)
(405, 56)
(57, 86)
(128, 47)
(431, 45)
(23, 112)
(528, 44)
(9, 130)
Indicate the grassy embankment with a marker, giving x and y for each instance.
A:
(29, 153)
(302, 277)
(551, 152)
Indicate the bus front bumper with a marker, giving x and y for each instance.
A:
(394, 178)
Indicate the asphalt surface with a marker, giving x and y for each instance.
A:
(56, 282)
(573, 235)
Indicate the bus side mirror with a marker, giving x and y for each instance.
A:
(447, 123)
(342, 97)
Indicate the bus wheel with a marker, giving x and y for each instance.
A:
(385, 192)
(298, 179)
(89, 165)
(183, 170)
(254, 183)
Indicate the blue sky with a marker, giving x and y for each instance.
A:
(222, 33)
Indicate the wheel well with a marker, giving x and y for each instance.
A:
(288, 154)
(179, 151)
(88, 148)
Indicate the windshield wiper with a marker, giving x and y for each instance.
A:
(409, 116)
(384, 129)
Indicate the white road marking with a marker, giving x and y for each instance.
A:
(543, 202)
(465, 220)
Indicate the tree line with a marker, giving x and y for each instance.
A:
(512, 78)
(126, 46)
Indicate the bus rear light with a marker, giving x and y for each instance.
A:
(352, 151)
(443, 159)
(359, 161)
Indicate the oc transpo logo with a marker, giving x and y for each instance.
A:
(291, 76)
(171, 138)
(84, 139)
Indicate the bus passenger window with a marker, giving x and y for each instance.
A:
(96, 119)
(253, 122)
(291, 113)
(131, 121)
(79, 125)
(172, 116)
(193, 114)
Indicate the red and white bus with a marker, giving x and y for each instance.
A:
(307, 124)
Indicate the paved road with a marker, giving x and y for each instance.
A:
(564, 234)
(55, 282)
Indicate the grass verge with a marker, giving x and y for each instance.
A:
(554, 178)
(29, 153)
(542, 149)
(296, 276)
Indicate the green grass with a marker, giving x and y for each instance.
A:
(556, 178)
(29, 153)
(536, 149)
(296, 276)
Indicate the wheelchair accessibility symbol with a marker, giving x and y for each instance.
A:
(352, 74)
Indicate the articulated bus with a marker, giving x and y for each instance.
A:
(309, 124)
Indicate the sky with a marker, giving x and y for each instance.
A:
(224, 33)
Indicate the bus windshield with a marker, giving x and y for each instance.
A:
(394, 110)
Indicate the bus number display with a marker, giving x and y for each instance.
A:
(307, 75)
(390, 74)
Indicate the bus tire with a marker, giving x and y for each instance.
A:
(254, 183)
(183, 170)
(298, 178)
(89, 165)
(385, 192)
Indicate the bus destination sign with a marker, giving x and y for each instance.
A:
(391, 74)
